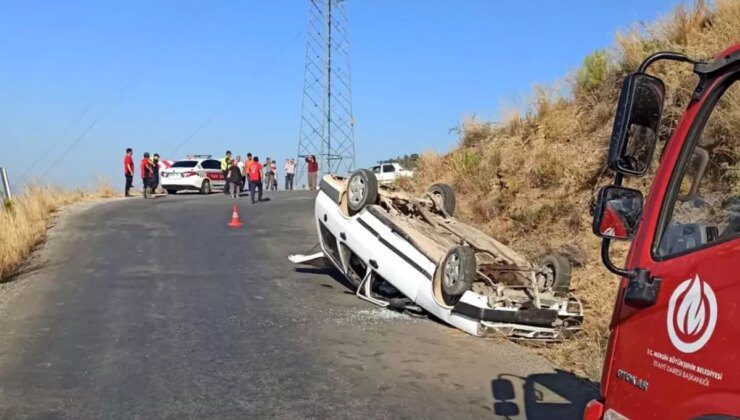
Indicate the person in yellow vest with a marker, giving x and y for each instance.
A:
(225, 165)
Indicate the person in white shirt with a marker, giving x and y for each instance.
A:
(240, 165)
(289, 173)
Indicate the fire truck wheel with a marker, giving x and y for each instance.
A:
(458, 270)
(362, 190)
(206, 187)
(554, 274)
(447, 195)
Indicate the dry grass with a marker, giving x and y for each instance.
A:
(24, 221)
(530, 180)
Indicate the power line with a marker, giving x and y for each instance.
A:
(114, 103)
(111, 106)
(236, 93)
(58, 139)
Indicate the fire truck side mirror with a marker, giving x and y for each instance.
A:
(618, 210)
(636, 124)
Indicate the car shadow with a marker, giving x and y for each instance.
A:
(327, 269)
(555, 395)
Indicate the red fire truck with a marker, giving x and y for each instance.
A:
(674, 349)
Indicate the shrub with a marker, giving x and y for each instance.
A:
(592, 74)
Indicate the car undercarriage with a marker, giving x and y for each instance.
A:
(466, 275)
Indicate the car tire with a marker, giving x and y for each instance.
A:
(171, 192)
(362, 190)
(205, 188)
(554, 273)
(447, 194)
(458, 270)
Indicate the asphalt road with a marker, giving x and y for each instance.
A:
(156, 309)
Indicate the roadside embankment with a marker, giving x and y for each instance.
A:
(529, 180)
(25, 220)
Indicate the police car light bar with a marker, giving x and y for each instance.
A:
(198, 156)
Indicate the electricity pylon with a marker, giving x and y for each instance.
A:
(327, 122)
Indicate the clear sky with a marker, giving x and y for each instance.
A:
(90, 78)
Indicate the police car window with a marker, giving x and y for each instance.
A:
(389, 168)
(210, 164)
(376, 169)
(706, 208)
(184, 164)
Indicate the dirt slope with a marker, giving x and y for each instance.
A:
(530, 179)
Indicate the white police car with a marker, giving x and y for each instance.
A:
(195, 173)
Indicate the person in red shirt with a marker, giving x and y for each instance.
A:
(254, 175)
(128, 170)
(313, 171)
(146, 173)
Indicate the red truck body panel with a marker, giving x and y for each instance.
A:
(679, 358)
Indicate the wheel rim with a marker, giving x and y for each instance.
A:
(207, 187)
(452, 270)
(357, 189)
(546, 276)
(437, 196)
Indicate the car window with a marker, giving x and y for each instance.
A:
(376, 169)
(389, 168)
(705, 207)
(210, 164)
(184, 164)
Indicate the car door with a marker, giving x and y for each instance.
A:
(212, 169)
(378, 171)
(685, 344)
(389, 172)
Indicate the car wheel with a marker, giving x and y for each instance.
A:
(458, 270)
(171, 192)
(206, 187)
(554, 274)
(362, 190)
(446, 195)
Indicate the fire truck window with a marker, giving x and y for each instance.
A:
(707, 206)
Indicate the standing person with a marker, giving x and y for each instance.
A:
(274, 175)
(146, 173)
(155, 173)
(289, 173)
(254, 174)
(225, 164)
(240, 165)
(268, 178)
(234, 180)
(313, 171)
(247, 164)
(128, 170)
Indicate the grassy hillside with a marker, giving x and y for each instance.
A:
(530, 179)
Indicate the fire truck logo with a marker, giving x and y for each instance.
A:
(692, 315)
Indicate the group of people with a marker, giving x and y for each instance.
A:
(240, 174)
(149, 169)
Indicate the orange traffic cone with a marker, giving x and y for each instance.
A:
(235, 222)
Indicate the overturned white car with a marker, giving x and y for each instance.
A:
(411, 254)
